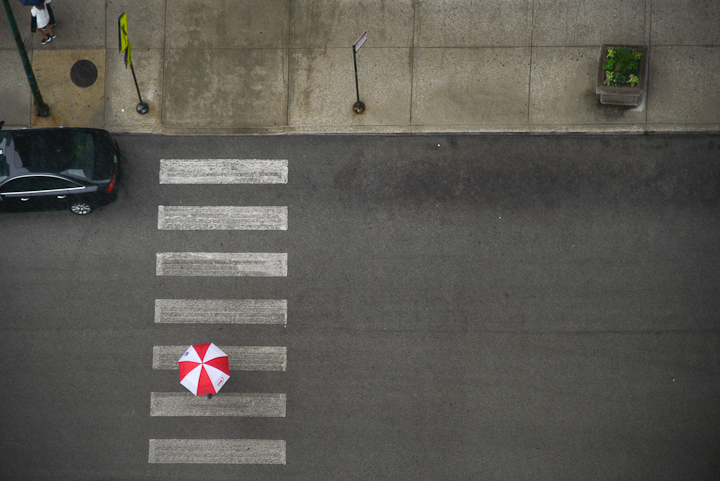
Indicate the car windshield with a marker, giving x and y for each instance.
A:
(4, 167)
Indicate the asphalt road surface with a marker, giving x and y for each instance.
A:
(438, 308)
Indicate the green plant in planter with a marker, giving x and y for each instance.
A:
(622, 67)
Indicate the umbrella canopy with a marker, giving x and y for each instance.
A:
(204, 368)
(32, 2)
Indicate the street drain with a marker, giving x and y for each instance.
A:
(84, 73)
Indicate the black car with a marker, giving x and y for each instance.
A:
(41, 168)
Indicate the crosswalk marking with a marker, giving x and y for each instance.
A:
(217, 451)
(174, 217)
(221, 311)
(221, 404)
(242, 358)
(223, 171)
(221, 264)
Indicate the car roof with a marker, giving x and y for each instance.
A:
(17, 161)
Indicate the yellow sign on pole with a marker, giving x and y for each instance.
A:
(123, 40)
(126, 46)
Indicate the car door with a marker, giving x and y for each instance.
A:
(38, 192)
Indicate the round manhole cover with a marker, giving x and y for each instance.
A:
(83, 73)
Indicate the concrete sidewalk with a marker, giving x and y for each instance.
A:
(274, 66)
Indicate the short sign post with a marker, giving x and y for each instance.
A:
(126, 46)
(359, 107)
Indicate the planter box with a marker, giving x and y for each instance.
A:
(630, 96)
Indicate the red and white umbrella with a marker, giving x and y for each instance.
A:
(204, 369)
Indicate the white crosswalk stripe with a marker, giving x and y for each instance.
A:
(242, 358)
(252, 264)
(222, 218)
(221, 404)
(217, 451)
(220, 311)
(223, 171)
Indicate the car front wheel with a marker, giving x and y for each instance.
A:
(80, 207)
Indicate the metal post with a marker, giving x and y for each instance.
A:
(357, 89)
(142, 107)
(41, 109)
(359, 107)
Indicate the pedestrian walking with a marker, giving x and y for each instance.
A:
(41, 21)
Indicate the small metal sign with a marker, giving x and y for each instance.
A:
(360, 41)
(358, 107)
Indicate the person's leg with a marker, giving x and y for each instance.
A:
(46, 38)
(50, 30)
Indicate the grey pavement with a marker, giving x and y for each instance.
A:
(460, 307)
(281, 66)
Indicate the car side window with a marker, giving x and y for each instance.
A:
(52, 183)
(35, 183)
(23, 184)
